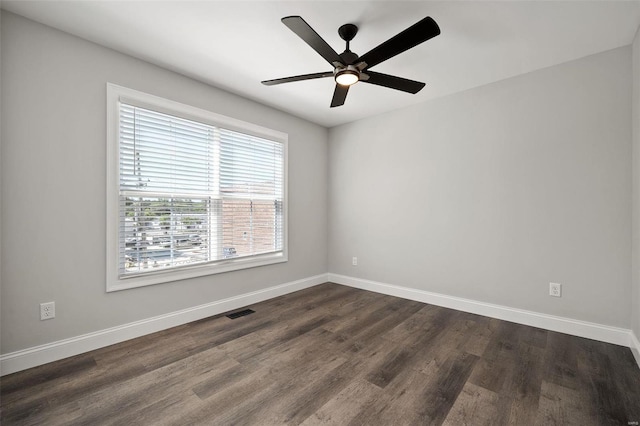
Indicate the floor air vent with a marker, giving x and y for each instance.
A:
(240, 314)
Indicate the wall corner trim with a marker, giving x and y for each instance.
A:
(589, 330)
(635, 347)
(38, 355)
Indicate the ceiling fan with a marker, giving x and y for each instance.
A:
(348, 67)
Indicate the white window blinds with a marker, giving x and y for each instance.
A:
(192, 194)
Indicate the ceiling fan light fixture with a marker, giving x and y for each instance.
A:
(347, 76)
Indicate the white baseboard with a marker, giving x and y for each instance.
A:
(32, 357)
(603, 333)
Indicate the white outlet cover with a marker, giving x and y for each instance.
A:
(555, 289)
(47, 310)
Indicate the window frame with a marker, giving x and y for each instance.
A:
(117, 94)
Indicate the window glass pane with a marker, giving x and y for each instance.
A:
(250, 165)
(248, 227)
(165, 232)
(162, 153)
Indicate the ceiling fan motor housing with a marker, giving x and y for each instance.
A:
(348, 57)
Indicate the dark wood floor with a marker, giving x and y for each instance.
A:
(335, 355)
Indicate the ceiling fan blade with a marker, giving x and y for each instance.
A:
(297, 78)
(339, 95)
(308, 34)
(411, 37)
(393, 82)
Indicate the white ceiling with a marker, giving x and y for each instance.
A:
(235, 45)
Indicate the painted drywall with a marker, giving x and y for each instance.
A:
(53, 188)
(0, 176)
(492, 193)
(635, 118)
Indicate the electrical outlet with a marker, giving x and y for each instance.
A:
(354, 261)
(555, 289)
(47, 311)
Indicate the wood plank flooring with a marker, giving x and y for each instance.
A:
(334, 355)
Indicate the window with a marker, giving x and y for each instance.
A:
(190, 192)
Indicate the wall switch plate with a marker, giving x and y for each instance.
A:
(555, 289)
(354, 261)
(47, 311)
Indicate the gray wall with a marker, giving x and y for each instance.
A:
(1, 12)
(492, 193)
(53, 188)
(635, 299)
